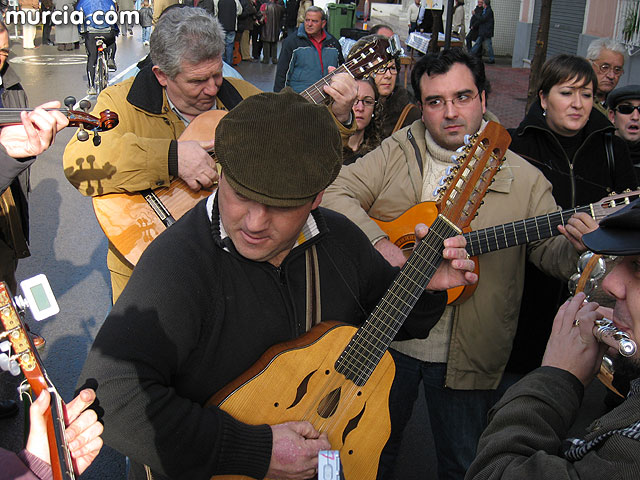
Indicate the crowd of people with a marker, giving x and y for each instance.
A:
(289, 239)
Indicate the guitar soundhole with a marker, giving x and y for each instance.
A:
(352, 425)
(329, 404)
(302, 389)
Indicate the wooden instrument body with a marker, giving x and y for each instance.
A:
(290, 382)
(401, 234)
(128, 220)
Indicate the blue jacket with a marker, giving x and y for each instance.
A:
(97, 22)
(299, 63)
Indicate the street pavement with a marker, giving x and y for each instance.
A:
(69, 247)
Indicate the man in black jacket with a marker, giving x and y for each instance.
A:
(254, 265)
(483, 16)
(624, 113)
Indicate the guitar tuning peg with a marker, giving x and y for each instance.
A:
(436, 192)
(454, 157)
(69, 102)
(85, 105)
(449, 170)
(467, 139)
(8, 364)
(442, 181)
(82, 135)
(460, 149)
(5, 346)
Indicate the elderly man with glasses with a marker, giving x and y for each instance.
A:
(624, 113)
(607, 59)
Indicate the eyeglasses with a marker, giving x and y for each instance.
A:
(627, 109)
(605, 68)
(4, 52)
(389, 68)
(366, 102)
(439, 103)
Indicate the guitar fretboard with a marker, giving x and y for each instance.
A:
(368, 345)
(520, 232)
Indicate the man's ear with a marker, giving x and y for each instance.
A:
(612, 115)
(317, 200)
(160, 75)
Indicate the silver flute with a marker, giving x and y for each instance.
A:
(591, 270)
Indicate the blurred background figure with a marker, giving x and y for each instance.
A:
(607, 59)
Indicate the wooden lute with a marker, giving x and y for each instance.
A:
(338, 377)
(132, 220)
(491, 239)
(33, 369)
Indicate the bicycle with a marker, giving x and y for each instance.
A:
(101, 75)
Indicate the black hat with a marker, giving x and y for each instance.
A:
(618, 233)
(279, 149)
(628, 92)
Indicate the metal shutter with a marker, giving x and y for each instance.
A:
(565, 28)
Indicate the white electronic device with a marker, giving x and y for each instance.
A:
(38, 297)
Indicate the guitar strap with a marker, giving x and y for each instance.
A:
(608, 145)
(417, 150)
(403, 116)
(228, 95)
(313, 288)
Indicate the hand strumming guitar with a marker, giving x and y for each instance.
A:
(294, 454)
(195, 165)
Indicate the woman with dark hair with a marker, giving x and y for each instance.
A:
(367, 136)
(575, 148)
(396, 107)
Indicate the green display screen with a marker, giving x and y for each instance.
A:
(40, 296)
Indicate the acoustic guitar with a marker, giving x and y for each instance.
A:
(338, 377)
(33, 370)
(132, 220)
(491, 239)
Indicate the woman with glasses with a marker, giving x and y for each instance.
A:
(575, 148)
(396, 107)
(367, 136)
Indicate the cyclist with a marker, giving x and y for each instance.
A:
(95, 25)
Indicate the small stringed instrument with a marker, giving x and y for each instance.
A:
(491, 239)
(338, 377)
(77, 118)
(33, 370)
(132, 220)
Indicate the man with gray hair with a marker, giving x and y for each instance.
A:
(607, 59)
(145, 151)
(306, 56)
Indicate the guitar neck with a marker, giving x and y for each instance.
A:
(315, 93)
(61, 463)
(368, 345)
(520, 232)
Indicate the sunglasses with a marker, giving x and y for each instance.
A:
(627, 109)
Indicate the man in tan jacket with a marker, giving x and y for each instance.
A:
(145, 151)
(460, 365)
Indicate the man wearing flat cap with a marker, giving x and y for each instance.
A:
(254, 265)
(527, 428)
(624, 113)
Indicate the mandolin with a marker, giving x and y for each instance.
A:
(132, 220)
(338, 377)
(33, 369)
(491, 239)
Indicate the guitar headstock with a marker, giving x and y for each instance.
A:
(15, 331)
(468, 181)
(373, 55)
(613, 203)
